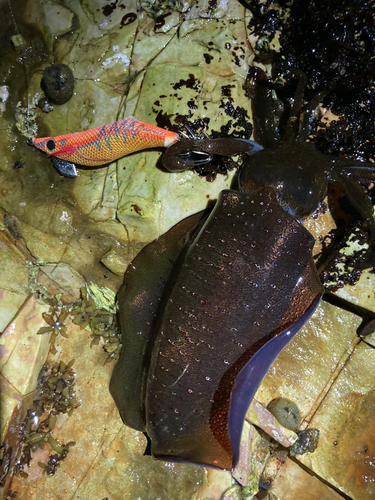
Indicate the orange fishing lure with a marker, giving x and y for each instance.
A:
(105, 144)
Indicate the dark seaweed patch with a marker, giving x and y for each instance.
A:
(191, 83)
(333, 44)
(137, 209)
(192, 105)
(207, 58)
(226, 90)
(108, 9)
(236, 59)
(240, 115)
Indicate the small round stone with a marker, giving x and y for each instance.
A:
(58, 83)
(286, 412)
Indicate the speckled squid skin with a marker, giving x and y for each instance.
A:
(233, 301)
(237, 290)
(107, 143)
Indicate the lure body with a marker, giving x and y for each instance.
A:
(105, 144)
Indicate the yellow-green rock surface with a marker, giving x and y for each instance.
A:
(192, 66)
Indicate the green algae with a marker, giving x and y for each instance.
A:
(55, 395)
(96, 312)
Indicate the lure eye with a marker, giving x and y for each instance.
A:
(50, 145)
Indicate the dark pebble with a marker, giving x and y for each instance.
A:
(58, 83)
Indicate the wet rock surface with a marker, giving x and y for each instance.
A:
(178, 65)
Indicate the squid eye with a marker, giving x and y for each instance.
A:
(51, 145)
